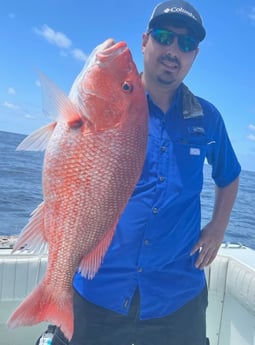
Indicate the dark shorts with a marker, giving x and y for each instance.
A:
(94, 325)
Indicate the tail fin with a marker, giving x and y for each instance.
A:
(44, 305)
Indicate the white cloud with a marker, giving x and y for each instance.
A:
(252, 127)
(11, 91)
(252, 14)
(10, 105)
(57, 38)
(60, 40)
(29, 116)
(251, 137)
(78, 54)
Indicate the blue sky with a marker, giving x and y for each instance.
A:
(56, 36)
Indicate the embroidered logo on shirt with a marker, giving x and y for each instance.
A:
(194, 151)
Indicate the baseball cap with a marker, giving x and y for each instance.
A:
(178, 11)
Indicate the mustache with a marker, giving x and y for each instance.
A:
(169, 58)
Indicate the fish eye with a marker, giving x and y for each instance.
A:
(127, 87)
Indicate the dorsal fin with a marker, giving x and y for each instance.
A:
(56, 104)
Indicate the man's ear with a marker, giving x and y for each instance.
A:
(144, 40)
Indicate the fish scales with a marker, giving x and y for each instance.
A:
(94, 155)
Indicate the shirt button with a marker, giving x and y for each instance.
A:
(162, 178)
(140, 269)
(155, 210)
(146, 242)
(163, 149)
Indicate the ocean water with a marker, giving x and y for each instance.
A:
(20, 193)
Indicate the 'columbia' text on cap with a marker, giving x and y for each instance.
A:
(178, 11)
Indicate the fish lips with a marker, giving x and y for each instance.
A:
(110, 49)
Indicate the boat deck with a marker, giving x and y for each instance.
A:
(231, 287)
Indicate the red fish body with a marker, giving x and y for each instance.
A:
(94, 155)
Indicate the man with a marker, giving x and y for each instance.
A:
(151, 286)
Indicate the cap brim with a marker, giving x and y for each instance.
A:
(168, 18)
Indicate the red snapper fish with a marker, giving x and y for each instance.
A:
(94, 154)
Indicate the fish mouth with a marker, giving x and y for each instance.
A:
(110, 49)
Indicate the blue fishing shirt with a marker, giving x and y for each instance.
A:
(162, 220)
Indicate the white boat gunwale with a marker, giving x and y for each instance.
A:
(231, 287)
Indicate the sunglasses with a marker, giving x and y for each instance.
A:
(186, 43)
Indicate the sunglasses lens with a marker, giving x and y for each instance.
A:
(163, 36)
(186, 43)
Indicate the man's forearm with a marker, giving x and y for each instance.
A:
(212, 234)
(224, 201)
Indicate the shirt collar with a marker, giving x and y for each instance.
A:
(190, 105)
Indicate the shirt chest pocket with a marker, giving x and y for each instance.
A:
(189, 154)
